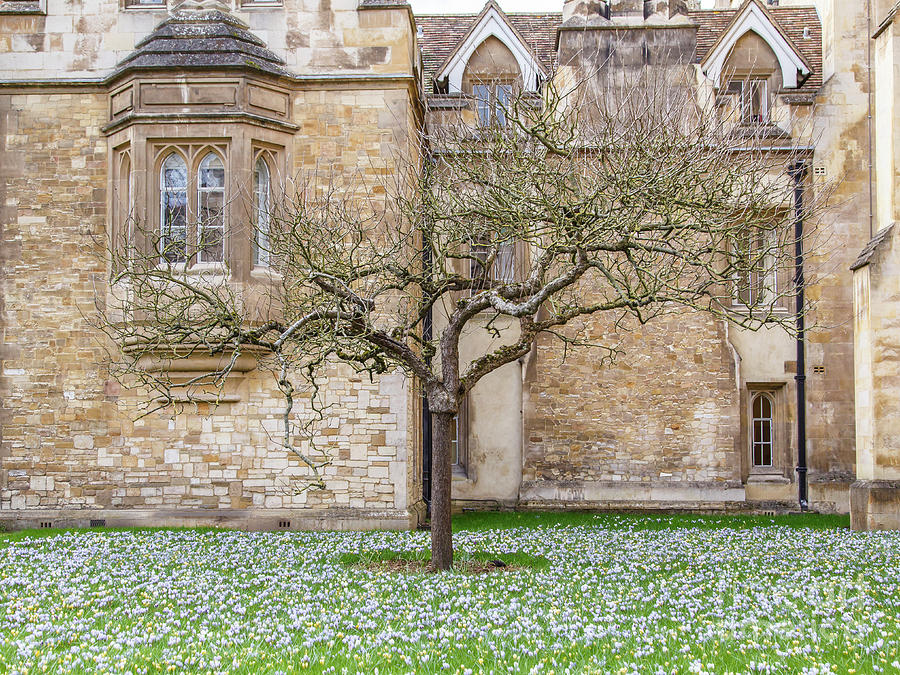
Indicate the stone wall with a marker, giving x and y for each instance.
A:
(87, 39)
(842, 151)
(663, 417)
(73, 446)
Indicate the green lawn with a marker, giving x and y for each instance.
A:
(593, 593)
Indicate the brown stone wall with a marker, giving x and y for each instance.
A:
(666, 411)
(842, 149)
(72, 440)
(52, 384)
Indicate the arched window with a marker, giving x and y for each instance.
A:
(123, 202)
(763, 426)
(173, 209)
(211, 209)
(261, 207)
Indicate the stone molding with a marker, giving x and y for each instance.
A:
(251, 519)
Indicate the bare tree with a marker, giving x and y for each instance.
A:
(627, 199)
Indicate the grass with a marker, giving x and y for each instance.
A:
(490, 520)
(595, 593)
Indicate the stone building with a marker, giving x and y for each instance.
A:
(100, 99)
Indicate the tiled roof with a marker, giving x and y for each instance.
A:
(792, 20)
(441, 34)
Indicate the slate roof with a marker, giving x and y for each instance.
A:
(208, 38)
(792, 20)
(441, 34)
(865, 256)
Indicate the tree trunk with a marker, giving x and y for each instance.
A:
(441, 534)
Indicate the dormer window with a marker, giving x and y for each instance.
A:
(751, 99)
(491, 103)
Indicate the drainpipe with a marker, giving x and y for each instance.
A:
(798, 172)
(427, 334)
(869, 96)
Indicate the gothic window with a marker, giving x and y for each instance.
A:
(491, 103)
(211, 209)
(173, 191)
(262, 196)
(762, 430)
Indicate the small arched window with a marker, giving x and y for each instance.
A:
(262, 190)
(123, 202)
(763, 434)
(173, 209)
(211, 209)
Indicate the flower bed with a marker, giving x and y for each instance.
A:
(613, 598)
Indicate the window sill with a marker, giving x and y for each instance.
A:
(168, 359)
(264, 273)
(767, 475)
(739, 307)
(198, 269)
(458, 475)
(22, 8)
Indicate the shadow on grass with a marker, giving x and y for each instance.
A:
(462, 561)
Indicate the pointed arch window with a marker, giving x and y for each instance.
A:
(262, 197)
(173, 191)
(211, 209)
(762, 430)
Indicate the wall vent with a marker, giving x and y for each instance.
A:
(46, 523)
(98, 522)
(819, 370)
(284, 524)
(820, 171)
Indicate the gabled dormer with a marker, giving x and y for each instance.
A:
(492, 51)
(755, 41)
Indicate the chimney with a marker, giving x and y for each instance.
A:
(585, 9)
(656, 7)
(633, 9)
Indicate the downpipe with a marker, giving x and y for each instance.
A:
(798, 173)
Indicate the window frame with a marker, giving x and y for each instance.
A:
(206, 193)
(490, 111)
(193, 155)
(507, 267)
(780, 431)
(741, 89)
(161, 192)
(765, 280)
(261, 255)
(763, 421)
(140, 5)
(459, 443)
